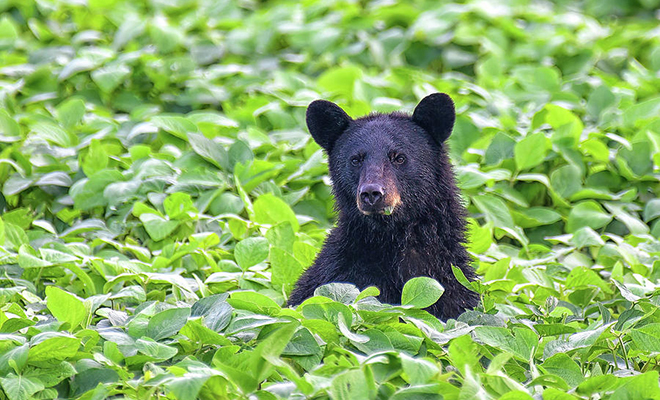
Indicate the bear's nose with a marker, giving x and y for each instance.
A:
(371, 194)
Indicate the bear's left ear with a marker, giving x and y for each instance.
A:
(326, 122)
(436, 114)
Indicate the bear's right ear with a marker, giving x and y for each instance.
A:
(326, 122)
(436, 114)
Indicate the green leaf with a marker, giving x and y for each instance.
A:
(155, 350)
(519, 341)
(531, 151)
(250, 252)
(566, 180)
(600, 99)
(652, 210)
(167, 323)
(269, 209)
(255, 302)
(421, 292)
(14, 360)
(267, 353)
(215, 310)
(178, 205)
(495, 210)
(642, 112)
(96, 158)
(350, 385)
(10, 131)
(286, 269)
(70, 112)
(110, 76)
(340, 80)
(643, 386)
(345, 293)
(647, 338)
(501, 148)
(587, 213)
(65, 306)
(186, 387)
(158, 227)
(28, 258)
(563, 366)
(54, 134)
(209, 150)
(54, 346)
(534, 78)
(176, 125)
(418, 371)
(20, 387)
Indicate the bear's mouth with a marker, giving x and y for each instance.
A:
(383, 211)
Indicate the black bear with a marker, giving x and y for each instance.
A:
(400, 214)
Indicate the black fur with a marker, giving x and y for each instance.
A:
(425, 233)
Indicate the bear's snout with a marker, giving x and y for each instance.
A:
(373, 198)
(372, 195)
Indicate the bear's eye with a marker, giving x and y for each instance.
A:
(356, 161)
(400, 159)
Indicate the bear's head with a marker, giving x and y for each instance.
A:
(383, 164)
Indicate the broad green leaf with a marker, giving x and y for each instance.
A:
(286, 269)
(600, 99)
(155, 350)
(652, 210)
(178, 205)
(14, 358)
(647, 338)
(495, 210)
(158, 227)
(176, 125)
(255, 302)
(209, 150)
(642, 386)
(531, 151)
(20, 387)
(215, 310)
(54, 347)
(54, 133)
(9, 129)
(536, 78)
(566, 180)
(340, 292)
(340, 80)
(641, 112)
(269, 209)
(251, 251)
(418, 371)
(109, 77)
(65, 306)
(587, 213)
(564, 367)
(96, 158)
(186, 387)
(167, 323)
(421, 292)
(520, 342)
(501, 148)
(349, 385)
(70, 112)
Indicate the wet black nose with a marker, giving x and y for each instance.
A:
(371, 194)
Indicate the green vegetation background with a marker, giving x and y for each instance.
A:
(160, 195)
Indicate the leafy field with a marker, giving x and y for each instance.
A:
(160, 196)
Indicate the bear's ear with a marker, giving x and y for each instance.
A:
(326, 122)
(436, 114)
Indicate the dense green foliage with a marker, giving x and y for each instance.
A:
(160, 195)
